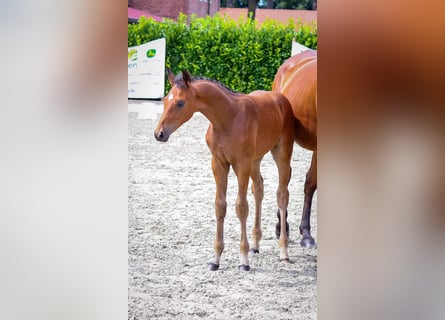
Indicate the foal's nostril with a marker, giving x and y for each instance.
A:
(161, 134)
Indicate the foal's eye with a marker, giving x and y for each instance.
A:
(180, 103)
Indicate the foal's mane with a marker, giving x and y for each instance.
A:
(179, 81)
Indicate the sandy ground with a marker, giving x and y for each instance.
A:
(171, 229)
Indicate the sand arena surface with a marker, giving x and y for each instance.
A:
(171, 229)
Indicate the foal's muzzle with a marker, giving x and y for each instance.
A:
(161, 135)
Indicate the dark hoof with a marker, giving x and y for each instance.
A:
(278, 230)
(213, 266)
(256, 251)
(243, 267)
(285, 260)
(308, 243)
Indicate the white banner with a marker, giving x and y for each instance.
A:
(146, 70)
(297, 48)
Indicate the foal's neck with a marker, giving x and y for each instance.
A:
(218, 104)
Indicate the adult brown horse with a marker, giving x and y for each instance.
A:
(243, 128)
(297, 80)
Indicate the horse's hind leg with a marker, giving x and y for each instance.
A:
(220, 173)
(309, 188)
(282, 154)
(258, 193)
(278, 225)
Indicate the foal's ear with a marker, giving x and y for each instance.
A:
(186, 77)
(171, 76)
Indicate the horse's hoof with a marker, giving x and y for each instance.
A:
(213, 266)
(243, 267)
(256, 251)
(285, 260)
(308, 243)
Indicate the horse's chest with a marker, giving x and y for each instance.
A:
(224, 147)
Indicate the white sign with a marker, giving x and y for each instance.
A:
(297, 48)
(146, 70)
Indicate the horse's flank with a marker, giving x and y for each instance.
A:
(297, 80)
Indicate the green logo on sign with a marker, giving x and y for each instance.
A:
(133, 55)
(151, 53)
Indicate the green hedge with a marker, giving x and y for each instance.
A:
(240, 54)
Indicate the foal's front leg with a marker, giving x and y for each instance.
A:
(220, 172)
(242, 211)
(258, 192)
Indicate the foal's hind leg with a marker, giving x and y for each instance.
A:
(258, 193)
(310, 186)
(282, 155)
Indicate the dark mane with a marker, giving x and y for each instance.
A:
(215, 82)
(179, 82)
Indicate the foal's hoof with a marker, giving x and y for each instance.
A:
(308, 242)
(256, 251)
(278, 230)
(213, 266)
(285, 260)
(243, 267)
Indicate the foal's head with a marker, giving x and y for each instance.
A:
(179, 105)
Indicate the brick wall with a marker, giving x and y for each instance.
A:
(172, 8)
